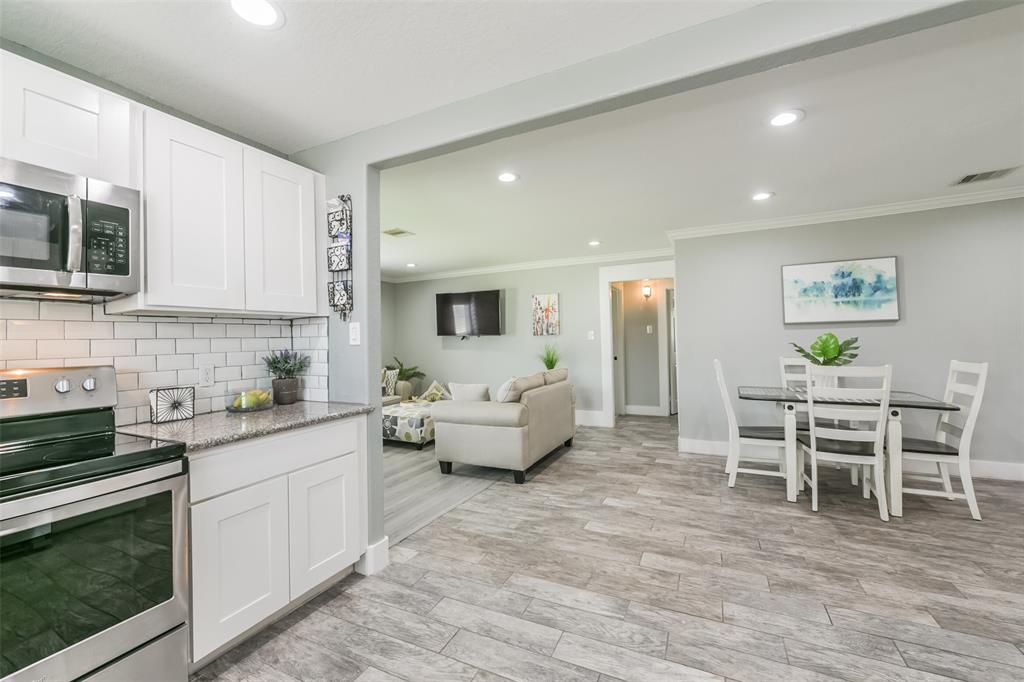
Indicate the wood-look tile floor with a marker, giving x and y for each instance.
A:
(622, 560)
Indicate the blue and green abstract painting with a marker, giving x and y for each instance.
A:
(840, 291)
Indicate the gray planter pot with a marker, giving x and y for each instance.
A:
(286, 391)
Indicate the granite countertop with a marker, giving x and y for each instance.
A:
(220, 428)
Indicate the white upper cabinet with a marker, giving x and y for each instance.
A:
(195, 241)
(53, 120)
(280, 235)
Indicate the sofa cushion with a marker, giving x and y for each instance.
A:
(513, 389)
(435, 392)
(389, 378)
(553, 376)
(480, 413)
(470, 392)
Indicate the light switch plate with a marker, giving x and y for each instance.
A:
(353, 334)
(650, 329)
(590, 335)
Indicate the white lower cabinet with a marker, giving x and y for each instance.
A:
(239, 562)
(321, 501)
(271, 519)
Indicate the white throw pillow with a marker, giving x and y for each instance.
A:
(474, 392)
(512, 390)
(553, 376)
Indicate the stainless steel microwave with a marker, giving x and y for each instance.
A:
(66, 236)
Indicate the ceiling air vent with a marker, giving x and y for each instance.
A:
(984, 175)
(398, 232)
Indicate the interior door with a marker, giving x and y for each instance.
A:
(673, 367)
(619, 349)
(239, 562)
(195, 242)
(280, 235)
(323, 521)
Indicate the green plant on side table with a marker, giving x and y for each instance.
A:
(406, 375)
(550, 356)
(286, 366)
(827, 349)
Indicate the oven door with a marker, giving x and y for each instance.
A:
(91, 572)
(41, 227)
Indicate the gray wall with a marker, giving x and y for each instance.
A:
(961, 294)
(388, 330)
(492, 360)
(643, 362)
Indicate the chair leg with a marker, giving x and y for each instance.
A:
(883, 505)
(946, 483)
(814, 483)
(968, 483)
(800, 464)
(732, 463)
(854, 470)
(865, 479)
(782, 460)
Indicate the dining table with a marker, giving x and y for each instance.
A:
(899, 401)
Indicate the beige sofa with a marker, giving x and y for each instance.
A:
(505, 435)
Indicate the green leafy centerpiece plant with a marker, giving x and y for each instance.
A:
(286, 366)
(550, 356)
(406, 375)
(827, 349)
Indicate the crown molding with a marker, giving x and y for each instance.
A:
(848, 214)
(535, 265)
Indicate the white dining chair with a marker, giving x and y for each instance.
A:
(952, 442)
(832, 402)
(739, 436)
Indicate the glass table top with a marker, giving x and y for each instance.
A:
(900, 399)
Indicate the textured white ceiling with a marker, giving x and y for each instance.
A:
(889, 122)
(335, 68)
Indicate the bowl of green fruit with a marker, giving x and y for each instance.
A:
(251, 401)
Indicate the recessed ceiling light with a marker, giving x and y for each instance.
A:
(594, 243)
(410, 265)
(784, 118)
(263, 13)
(508, 177)
(761, 196)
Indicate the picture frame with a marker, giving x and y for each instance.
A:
(851, 290)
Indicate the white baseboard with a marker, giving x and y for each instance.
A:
(375, 559)
(646, 410)
(592, 418)
(981, 468)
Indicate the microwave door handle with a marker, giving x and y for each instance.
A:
(75, 229)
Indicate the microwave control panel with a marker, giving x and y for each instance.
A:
(107, 239)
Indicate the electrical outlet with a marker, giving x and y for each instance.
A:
(353, 334)
(206, 374)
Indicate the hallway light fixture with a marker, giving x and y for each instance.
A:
(647, 290)
(262, 13)
(507, 177)
(763, 196)
(785, 118)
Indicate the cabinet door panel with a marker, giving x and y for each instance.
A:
(195, 254)
(323, 521)
(239, 562)
(53, 120)
(280, 235)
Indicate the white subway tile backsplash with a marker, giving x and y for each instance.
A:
(56, 310)
(114, 347)
(134, 330)
(62, 349)
(152, 351)
(155, 346)
(35, 329)
(89, 330)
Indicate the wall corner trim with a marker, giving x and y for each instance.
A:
(376, 559)
(848, 214)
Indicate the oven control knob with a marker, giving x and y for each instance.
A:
(62, 386)
(89, 383)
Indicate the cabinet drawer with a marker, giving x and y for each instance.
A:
(230, 467)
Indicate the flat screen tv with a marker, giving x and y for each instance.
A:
(471, 313)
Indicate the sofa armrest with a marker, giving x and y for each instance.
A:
(482, 413)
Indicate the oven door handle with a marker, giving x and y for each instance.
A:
(75, 233)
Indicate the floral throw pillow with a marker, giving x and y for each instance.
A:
(434, 393)
(390, 381)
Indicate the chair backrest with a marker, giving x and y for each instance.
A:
(734, 429)
(966, 379)
(793, 372)
(859, 395)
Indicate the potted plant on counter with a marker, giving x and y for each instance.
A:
(286, 366)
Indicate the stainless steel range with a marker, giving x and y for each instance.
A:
(93, 582)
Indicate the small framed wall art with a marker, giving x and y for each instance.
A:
(339, 256)
(545, 315)
(172, 404)
(339, 217)
(339, 294)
